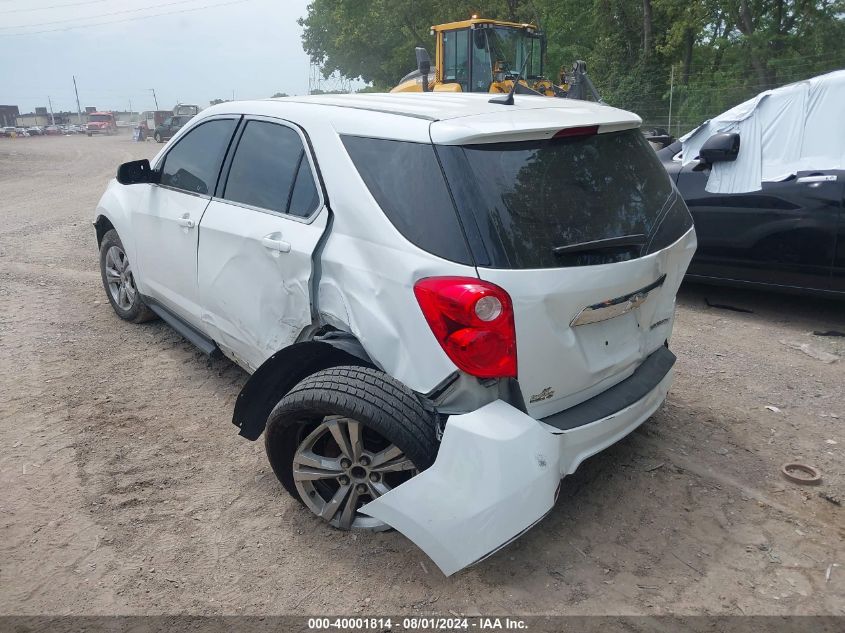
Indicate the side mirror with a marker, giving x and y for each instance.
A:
(720, 148)
(423, 65)
(135, 172)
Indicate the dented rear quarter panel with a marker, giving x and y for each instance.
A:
(369, 268)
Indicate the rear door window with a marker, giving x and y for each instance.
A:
(538, 204)
(194, 162)
(304, 198)
(407, 183)
(271, 171)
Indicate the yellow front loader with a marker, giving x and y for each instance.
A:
(480, 55)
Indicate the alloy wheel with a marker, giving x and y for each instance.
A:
(342, 465)
(119, 278)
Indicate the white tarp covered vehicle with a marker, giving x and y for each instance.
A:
(446, 304)
(798, 127)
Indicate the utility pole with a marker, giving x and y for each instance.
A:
(153, 90)
(671, 90)
(78, 109)
(52, 116)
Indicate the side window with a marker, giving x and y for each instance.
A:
(270, 171)
(304, 198)
(420, 206)
(455, 48)
(194, 163)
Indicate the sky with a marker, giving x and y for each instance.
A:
(189, 51)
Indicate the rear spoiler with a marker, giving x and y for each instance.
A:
(530, 124)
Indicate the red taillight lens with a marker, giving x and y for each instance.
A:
(473, 322)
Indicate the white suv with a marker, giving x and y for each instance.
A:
(446, 303)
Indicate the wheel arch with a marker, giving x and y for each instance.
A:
(287, 367)
(102, 225)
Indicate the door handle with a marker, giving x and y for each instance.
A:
(808, 179)
(186, 221)
(275, 243)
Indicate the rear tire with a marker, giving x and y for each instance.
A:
(344, 436)
(119, 281)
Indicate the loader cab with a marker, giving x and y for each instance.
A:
(479, 55)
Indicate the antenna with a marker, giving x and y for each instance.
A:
(508, 99)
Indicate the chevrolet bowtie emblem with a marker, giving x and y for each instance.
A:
(615, 307)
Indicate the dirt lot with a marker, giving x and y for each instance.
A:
(125, 489)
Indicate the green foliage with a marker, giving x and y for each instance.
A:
(709, 54)
(374, 40)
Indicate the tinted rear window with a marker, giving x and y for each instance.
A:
(407, 183)
(520, 201)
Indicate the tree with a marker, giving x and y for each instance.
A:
(279, 95)
(215, 102)
(374, 40)
(717, 52)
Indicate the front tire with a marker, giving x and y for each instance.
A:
(158, 137)
(344, 436)
(119, 281)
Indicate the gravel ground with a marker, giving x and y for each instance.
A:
(124, 488)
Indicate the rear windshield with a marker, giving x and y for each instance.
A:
(530, 204)
(538, 204)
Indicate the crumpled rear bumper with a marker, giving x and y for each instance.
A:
(496, 475)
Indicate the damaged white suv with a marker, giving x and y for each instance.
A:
(446, 303)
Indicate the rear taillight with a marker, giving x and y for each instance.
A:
(473, 322)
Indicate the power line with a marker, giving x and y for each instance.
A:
(102, 15)
(140, 17)
(54, 6)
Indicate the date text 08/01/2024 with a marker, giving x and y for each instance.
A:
(417, 624)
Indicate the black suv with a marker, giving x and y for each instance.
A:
(788, 236)
(169, 127)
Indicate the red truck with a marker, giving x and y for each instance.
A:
(101, 123)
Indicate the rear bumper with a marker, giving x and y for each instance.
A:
(497, 474)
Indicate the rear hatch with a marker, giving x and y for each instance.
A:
(585, 231)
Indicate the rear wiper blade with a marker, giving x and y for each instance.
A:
(606, 244)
